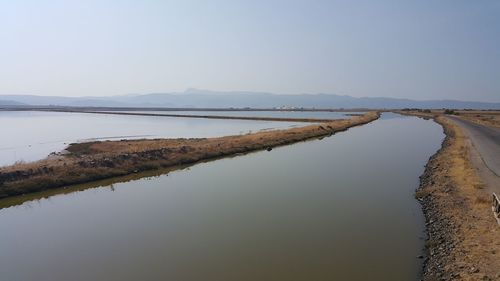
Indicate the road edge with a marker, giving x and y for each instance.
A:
(456, 217)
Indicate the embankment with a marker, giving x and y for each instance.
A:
(463, 237)
(252, 118)
(91, 161)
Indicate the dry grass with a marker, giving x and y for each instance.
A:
(487, 118)
(99, 160)
(463, 207)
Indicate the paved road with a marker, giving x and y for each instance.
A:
(486, 140)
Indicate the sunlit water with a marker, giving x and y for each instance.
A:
(28, 135)
(341, 208)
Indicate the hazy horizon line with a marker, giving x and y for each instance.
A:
(191, 90)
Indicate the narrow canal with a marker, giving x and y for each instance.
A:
(340, 208)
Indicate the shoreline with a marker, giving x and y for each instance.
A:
(87, 162)
(278, 119)
(462, 238)
(174, 109)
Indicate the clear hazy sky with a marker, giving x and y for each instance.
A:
(412, 49)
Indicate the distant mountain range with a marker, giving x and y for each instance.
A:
(194, 98)
(9, 102)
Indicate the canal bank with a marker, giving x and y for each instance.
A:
(463, 236)
(299, 212)
(91, 161)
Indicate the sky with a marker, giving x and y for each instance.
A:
(426, 49)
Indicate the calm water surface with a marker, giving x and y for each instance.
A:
(28, 135)
(341, 208)
(277, 114)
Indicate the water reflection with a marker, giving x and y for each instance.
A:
(337, 209)
(29, 135)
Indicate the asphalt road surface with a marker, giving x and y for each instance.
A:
(486, 140)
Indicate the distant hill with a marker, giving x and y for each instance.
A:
(10, 102)
(212, 99)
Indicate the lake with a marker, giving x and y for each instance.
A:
(258, 113)
(31, 135)
(340, 208)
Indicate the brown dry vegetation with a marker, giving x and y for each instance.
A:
(487, 118)
(99, 160)
(464, 238)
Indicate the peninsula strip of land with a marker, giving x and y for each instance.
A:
(86, 162)
(254, 118)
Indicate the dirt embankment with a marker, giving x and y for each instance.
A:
(487, 118)
(252, 118)
(463, 236)
(99, 160)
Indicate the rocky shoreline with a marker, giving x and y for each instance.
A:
(457, 215)
(437, 225)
